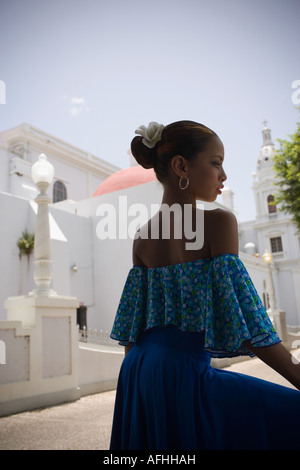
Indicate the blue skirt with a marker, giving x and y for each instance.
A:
(170, 398)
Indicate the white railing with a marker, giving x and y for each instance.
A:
(89, 335)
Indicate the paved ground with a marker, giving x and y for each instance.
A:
(86, 423)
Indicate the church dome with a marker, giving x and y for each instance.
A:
(124, 179)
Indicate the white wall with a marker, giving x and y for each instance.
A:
(42, 352)
(16, 367)
(71, 242)
(98, 368)
(4, 165)
(285, 296)
(43, 363)
(77, 249)
(14, 214)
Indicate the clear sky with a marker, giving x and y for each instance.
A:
(91, 71)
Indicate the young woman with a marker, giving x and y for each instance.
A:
(181, 306)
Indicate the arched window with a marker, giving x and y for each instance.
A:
(271, 205)
(59, 191)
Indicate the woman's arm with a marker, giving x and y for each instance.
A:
(127, 348)
(280, 359)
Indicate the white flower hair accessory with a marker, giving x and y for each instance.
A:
(151, 134)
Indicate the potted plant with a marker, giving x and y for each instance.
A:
(26, 243)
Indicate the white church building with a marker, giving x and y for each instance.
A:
(93, 215)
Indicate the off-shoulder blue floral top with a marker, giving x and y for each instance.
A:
(213, 295)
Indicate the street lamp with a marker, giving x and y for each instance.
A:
(42, 173)
(268, 258)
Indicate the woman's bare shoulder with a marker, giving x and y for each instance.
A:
(223, 232)
(220, 214)
(138, 247)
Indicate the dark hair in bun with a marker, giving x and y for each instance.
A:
(144, 155)
(186, 138)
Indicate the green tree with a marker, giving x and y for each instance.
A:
(287, 168)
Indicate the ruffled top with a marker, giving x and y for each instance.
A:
(213, 295)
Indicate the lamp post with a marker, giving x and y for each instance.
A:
(46, 321)
(277, 316)
(268, 258)
(42, 173)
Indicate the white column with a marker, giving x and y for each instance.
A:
(42, 174)
(42, 250)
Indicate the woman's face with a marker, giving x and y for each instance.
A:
(206, 173)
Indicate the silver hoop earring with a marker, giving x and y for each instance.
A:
(187, 182)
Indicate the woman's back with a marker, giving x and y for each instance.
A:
(217, 230)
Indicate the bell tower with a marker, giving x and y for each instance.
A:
(264, 177)
(266, 152)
